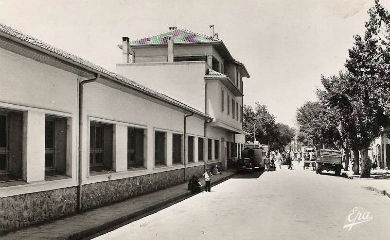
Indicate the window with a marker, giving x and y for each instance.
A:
(135, 147)
(234, 149)
(233, 109)
(176, 148)
(222, 100)
(11, 145)
(101, 146)
(228, 150)
(242, 112)
(190, 58)
(237, 111)
(200, 149)
(228, 104)
(209, 149)
(215, 63)
(190, 149)
(216, 149)
(55, 145)
(160, 148)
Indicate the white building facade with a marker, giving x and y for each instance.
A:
(199, 71)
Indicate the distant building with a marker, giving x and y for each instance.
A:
(380, 150)
(199, 71)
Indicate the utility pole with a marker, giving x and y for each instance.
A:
(254, 132)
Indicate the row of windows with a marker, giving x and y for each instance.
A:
(235, 109)
(11, 145)
(101, 146)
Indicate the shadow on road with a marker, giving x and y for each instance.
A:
(248, 175)
(331, 174)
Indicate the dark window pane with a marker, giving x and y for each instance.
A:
(99, 157)
(176, 148)
(99, 137)
(159, 148)
(209, 148)
(190, 149)
(92, 136)
(200, 149)
(135, 146)
(3, 131)
(49, 160)
(49, 134)
(216, 149)
(3, 162)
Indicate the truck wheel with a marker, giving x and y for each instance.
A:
(338, 171)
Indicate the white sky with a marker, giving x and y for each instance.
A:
(285, 44)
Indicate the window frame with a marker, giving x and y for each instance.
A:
(233, 109)
(237, 111)
(228, 104)
(93, 149)
(50, 150)
(190, 149)
(5, 150)
(129, 149)
(222, 100)
(10, 172)
(209, 149)
(180, 147)
(216, 149)
(201, 156)
(165, 149)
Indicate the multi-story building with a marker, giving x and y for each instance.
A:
(199, 71)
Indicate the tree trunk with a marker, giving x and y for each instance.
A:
(366, 164)
(355, 166)
(346, 159)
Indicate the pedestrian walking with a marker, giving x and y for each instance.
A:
(279, 159)
(289, 161)
(208, 181)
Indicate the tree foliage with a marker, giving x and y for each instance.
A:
(318, 125)
(259, 122)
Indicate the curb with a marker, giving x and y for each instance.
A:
(119, 222)
(382, 192)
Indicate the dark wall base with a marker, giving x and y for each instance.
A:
(28, 209)
(33, 208)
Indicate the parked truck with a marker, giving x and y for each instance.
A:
(329, 160)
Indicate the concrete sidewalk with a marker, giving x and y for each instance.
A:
(109, 217)
(378, 182)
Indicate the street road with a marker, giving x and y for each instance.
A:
(286, 204)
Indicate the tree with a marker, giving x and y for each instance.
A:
(366, 84)
(334, 97)
(318, 125)
(281, 137)
(258, 122)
